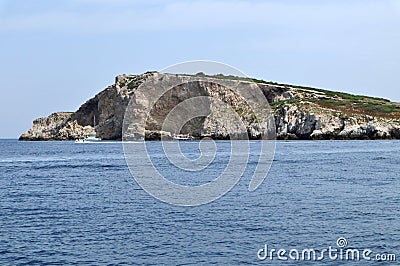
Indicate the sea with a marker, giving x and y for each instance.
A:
(64, 203)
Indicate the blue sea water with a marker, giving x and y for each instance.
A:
(63, 203)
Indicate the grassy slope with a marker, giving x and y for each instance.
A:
(353, 104)
(343, 102)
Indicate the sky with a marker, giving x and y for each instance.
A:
(55, 55)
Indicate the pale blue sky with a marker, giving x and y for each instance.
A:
(57, 54)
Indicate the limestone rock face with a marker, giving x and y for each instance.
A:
(299, 113)
(206, 107)
(57, 126)
(293, 122)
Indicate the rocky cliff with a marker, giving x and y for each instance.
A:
(299, 112)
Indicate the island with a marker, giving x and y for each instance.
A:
(299, 112)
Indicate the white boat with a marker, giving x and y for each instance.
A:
(181, 137)
(90, 138)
